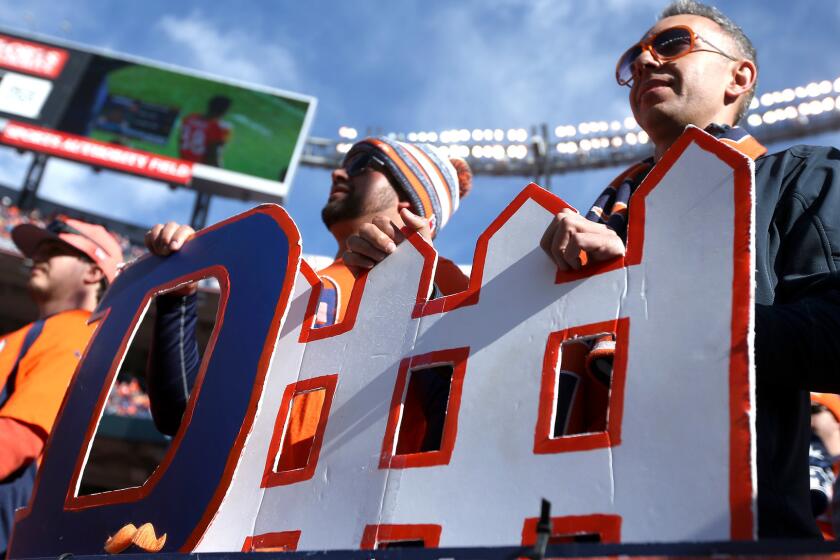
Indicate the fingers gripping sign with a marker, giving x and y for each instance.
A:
(417, 223)
(380, 237)
(164, 239)
(571, 241)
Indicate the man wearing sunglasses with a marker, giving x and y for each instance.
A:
(72, 263)
(696, 67)
(381, 182)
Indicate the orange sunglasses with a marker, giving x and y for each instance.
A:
(665, 46)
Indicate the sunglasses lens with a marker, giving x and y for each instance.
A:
(672, 42)
(625, 64)
(357, 165)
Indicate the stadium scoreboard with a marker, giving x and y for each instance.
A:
(114, 111)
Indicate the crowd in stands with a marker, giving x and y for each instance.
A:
(127, 398)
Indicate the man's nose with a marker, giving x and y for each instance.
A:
(340, 174)
(645, 59)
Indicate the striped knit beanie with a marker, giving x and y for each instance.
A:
(432, 184)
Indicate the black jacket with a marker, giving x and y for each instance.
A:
(797, 324)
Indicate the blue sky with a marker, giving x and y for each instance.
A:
(402, 66)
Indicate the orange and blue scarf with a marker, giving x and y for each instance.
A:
(610, 208)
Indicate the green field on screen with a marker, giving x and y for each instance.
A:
(265, 127)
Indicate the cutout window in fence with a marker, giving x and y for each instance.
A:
(582, 389)
(424, 409)
(400, 536)
(127, 447)
(299, 431)
(583, 385)
(423, 419)
(597, 528)
(401, 544)
(284, 541)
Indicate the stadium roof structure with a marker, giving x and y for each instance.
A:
(773, 116)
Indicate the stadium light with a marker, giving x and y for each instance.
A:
(347, 132)
(783, 114)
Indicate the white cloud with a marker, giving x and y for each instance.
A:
(548, 62)
(236, 53)
(13, 167)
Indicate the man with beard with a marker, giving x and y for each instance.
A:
(381, 182)
(72, 263)
(697, 67)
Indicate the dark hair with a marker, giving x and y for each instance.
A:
(218, 105)
(100, 291)
(745, 46)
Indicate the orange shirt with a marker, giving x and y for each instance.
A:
(336, 277)
(45, 371)
(198, 133)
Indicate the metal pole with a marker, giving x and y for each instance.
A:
(199, 215)
(546, 157)
(538, 147)
(29, 193)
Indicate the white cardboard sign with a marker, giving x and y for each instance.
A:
(675, 462)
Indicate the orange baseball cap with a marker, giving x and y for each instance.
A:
(828, 400)
(93, 240)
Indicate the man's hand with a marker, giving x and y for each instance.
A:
(379, 238)
(571, 240)
(163, 240)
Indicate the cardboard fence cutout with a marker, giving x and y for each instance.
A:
(669, 459)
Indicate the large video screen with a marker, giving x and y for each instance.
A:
(186, 117)
(135, 105)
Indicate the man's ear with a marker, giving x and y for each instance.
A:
(403, 204)
(93, 274)
(744, 74)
